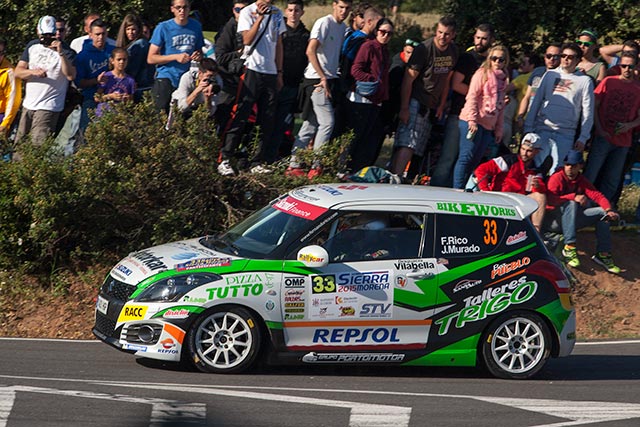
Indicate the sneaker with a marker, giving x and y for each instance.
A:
(260, 169)
(606, 261)
(314, 173)
(294, 172)
(225, 169)
(570, 254)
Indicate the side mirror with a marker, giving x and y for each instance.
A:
(313, 256)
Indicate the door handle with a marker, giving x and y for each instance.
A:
(420, 274)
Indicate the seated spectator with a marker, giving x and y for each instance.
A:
(571, 199)
(199, 87)
(517, 173)
(117, 85)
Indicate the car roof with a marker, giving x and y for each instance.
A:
(438, 199)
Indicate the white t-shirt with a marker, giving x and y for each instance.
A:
(330, 34)
(44, 93)
(263, 57)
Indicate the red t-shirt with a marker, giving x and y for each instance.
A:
(619, 102)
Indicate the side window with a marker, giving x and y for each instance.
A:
(370, 236)
(465, 236)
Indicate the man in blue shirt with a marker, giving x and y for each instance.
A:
(173, 45)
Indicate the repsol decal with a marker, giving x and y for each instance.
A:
(355, 335)
(494, 304)
(150, 261)
(475, 209)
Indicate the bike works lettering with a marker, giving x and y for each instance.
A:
(475, 209)
(494, 304)
(151, 261)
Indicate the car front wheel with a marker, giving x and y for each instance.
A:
(516, 346)
(224, 340)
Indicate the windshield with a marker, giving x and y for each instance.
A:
(260, 234)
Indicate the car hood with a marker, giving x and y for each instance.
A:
(180, 256)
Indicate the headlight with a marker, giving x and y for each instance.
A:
(173, 288)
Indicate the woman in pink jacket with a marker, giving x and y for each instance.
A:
(481, 117)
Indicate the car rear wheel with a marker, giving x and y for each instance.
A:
(224, 340)
(516, 346)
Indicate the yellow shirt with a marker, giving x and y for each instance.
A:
(10, 93)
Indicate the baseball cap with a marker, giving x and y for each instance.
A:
(590, 33)
(573, 157)
(47, 25)
(532, 140)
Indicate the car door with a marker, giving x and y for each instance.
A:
(348, 305)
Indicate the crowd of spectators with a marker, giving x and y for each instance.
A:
(572, 106)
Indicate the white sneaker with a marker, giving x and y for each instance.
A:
(225, 169)
(260, 169)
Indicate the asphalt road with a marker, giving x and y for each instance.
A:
(85, 383)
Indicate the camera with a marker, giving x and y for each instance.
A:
(215, 87)
(268, 11)
(46, 40)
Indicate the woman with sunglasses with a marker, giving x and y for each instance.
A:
(130, 37)
(482, 117)
(371, 65)
(587, 40)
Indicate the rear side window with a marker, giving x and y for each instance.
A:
(464, 236)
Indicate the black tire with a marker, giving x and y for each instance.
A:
(516, 345)
(224, 340)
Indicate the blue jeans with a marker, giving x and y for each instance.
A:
(471, 152)
(571, 217)
(443, 172)
(604, 166)
(555, 144)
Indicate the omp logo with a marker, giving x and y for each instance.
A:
(132, 312)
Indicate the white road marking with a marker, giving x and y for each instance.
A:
(163, 411)
(362, 414)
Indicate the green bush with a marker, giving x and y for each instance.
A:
(133, 184)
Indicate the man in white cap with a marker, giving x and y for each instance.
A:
(47, 66)
(517, 173)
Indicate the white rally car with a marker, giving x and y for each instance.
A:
(346, 273)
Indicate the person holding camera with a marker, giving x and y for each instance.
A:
(573, 203)
(47, 65)
(199, 87)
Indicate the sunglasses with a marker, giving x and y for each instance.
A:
(237, 9)
(410, 42)
(61, 29)
(386, 33)
(629, 66)
(498, 59)
(569, 57)
(181, 8)
(552, 56)
(585, 44)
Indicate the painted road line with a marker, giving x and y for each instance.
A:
(362, 414)
(163, 411)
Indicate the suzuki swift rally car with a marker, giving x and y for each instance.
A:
(350, 274)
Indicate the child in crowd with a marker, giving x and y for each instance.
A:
(118, 86)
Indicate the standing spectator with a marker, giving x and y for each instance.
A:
(610, 52)
(517, 173)
(199, 87)
(528, 62)
(10, 93)
(563, 102)
(229, 48)
(588, 42)
(173, 45)
(61, 29)
(47, 67)
(92, 63)
(425, 87)
(78, 43)
(131, 38)
(551, 62)
(356, 17)
(617, 115)
(116, 85)
(464, 69)
(371, 65)
(482, 117)
(569, 201)
(320, 79)
(261, 25)
(294, 61)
